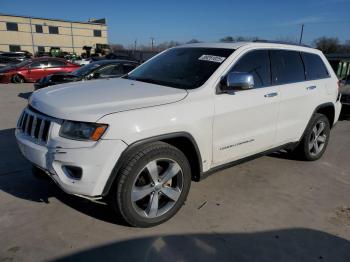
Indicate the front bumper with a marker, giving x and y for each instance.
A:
(96, 162)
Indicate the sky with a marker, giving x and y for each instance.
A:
(206, 20)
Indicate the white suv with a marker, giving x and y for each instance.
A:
(185, 113)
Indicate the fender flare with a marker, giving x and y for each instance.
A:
(135, 145)
(313, 113)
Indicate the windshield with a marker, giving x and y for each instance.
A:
(185, 68)
(86, 69)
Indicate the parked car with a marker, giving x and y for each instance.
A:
(5, 61)
(138, 141)
(21, 55)
(95, 70)
(33, 69)
(345, 97)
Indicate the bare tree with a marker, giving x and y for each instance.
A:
(116, 47)
(193, 41)
(327, 44)
(227, 39)
(287, 39)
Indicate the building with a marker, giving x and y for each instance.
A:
(340, 64)
(35, 34)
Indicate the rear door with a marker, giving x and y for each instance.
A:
(299, 97)
(37, 69)
(245, 121)
(56, 66)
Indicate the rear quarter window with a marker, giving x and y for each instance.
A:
(287, 67)
(314, 67)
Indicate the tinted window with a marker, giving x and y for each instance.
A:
(184, 67)
(110, 71)
(56, 63)
(12, 26)
(314, 67)
(128, 67)
(287, 67)
(53, 30)
(38, 64)
(15, 48)
(256, 63)
(97, 33)
(38, 28)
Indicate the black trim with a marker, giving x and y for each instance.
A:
(243, 160)
(132, 147)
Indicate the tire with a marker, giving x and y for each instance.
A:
(315, 139)
(142, 193)
(18, 79)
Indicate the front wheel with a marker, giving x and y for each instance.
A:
(18, 79)
(152, 185)
(315, 140)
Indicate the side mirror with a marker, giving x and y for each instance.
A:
(238, 81)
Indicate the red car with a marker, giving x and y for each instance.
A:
(33, 69)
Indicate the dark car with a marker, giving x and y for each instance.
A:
(21, 55)
(5, 61)
(95, 70)
(345, 97)
(32, 70)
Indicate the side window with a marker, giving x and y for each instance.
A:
(256, 63)
(56, 63)
(287, 67)
(39, 29)
(53, 30)
(38, 64)
(110, 71)
(314, 67)
(11, 26)
(128, 67)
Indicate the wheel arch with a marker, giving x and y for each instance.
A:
(328, 110)
(181, 140)
(18, 74)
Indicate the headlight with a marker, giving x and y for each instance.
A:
(82, 130)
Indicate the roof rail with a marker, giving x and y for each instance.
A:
(278, 42)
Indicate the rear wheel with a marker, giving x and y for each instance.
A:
(18, 79)
(315, 140)
(152, 185)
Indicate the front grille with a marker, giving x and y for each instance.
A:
(34, 125)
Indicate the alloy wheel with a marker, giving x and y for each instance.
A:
(157, 188)
(317, 139)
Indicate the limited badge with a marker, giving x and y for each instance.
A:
(212, 58)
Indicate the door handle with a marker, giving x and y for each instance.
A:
(311, 87)
(271, 95)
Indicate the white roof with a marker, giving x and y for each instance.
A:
(237, 45)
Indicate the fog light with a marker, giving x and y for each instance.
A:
(73, 172)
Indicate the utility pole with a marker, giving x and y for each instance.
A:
(135, 44)
(301, 33)
(31, 33)
(152, 43)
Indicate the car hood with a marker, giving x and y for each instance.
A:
(89, 101)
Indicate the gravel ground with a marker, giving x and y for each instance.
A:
(269, 209)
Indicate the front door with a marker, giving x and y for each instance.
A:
(245, 121)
